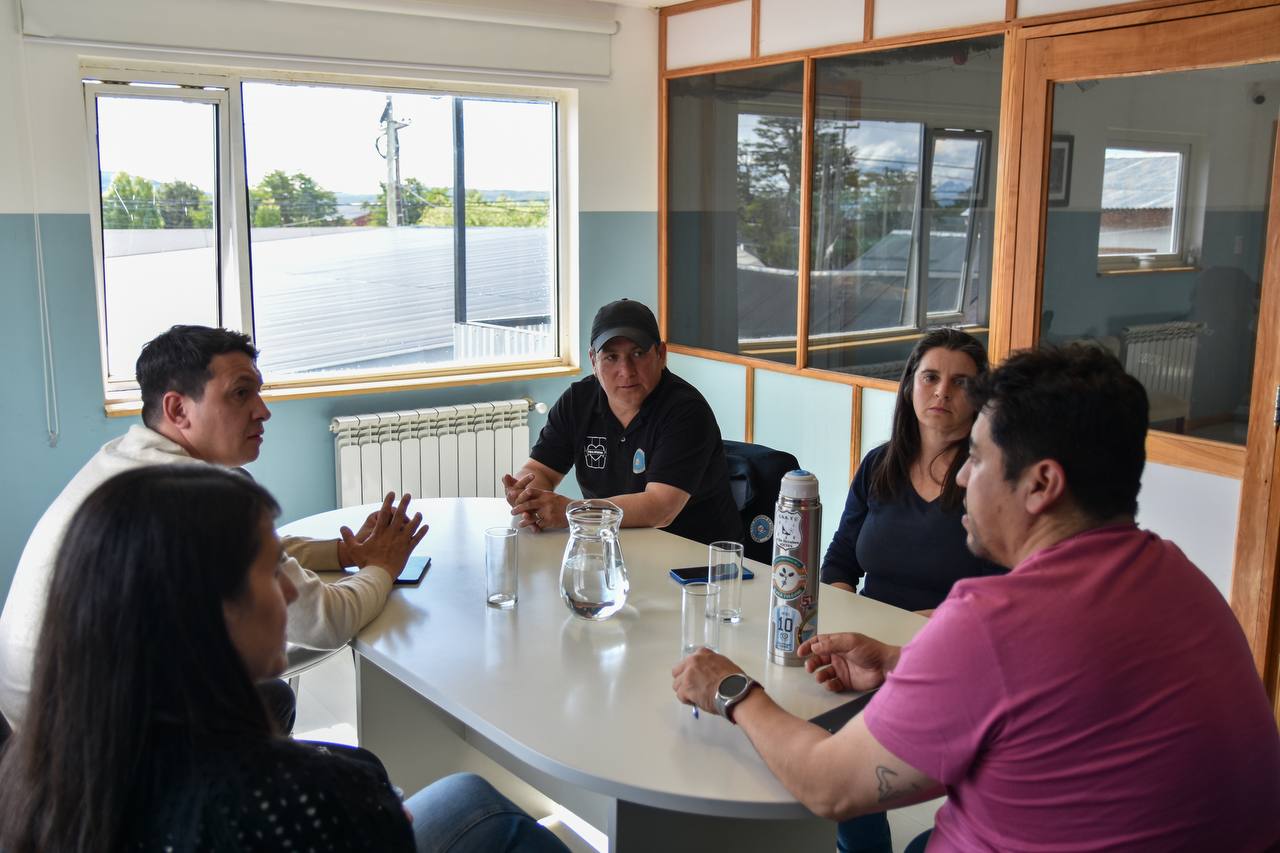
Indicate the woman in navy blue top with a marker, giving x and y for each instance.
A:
(901, 524)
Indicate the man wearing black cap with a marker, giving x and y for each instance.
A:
(634, 433)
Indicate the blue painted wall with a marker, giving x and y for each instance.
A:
(617, 258)
(809, 418)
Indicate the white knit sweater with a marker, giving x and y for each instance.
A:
(324, 616)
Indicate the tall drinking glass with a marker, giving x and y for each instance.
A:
(724, 568)
(501, 567)
(699, 617)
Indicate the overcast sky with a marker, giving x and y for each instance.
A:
(329, 134)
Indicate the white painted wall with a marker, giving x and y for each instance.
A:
(714, 34)
(615, 122)
(1197, 511)
(798, 24)
(15, 181)
(892, 19)
(343, 33)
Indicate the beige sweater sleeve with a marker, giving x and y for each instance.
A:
(318, 555)
(327, 615)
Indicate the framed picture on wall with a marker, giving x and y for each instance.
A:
(1060, 169)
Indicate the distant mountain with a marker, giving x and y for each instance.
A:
(515, 195)
(952, 190)
(107, 177)
(354, 198)
(487, 195)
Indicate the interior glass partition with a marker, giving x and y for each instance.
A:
(733, 210)
(903, 214)
(1155, 234)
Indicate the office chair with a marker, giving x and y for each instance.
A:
(755, 476)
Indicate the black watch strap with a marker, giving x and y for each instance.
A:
(727, 702)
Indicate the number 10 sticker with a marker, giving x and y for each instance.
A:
(785, 620)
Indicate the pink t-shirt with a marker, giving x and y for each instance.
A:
(1100, 696)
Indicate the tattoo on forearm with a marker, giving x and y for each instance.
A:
(885, 786)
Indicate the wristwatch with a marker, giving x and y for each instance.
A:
(732, 690)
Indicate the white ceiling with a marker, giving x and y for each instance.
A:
(647, 4)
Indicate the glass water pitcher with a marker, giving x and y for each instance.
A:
(593, 577)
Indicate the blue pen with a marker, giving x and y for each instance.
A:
(695, 712)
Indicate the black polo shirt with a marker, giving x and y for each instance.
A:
(674, 439)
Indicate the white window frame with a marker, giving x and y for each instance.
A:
(1153, 260)
(947, 317)
(917, 319)
(222, 87)
(228, 270)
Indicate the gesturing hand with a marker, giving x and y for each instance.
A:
(848, 661)
(511, 487)
(345, 557)
(390, 541)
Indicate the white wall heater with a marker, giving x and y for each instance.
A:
(1162, 356)
(447, 451)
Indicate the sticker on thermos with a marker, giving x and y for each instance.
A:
(793, 594)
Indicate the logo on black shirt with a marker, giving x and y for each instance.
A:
(595, 451)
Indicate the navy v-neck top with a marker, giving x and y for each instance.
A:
(910, 550)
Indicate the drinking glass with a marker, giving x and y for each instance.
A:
(724, 568)
(699, 617)
(501, 567)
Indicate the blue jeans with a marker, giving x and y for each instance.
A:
(868, 833)
(462, 813)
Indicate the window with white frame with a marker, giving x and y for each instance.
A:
(359, 232)
(1144, 198)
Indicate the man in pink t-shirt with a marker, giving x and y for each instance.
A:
(1099, 696)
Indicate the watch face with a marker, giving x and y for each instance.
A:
(732, 685)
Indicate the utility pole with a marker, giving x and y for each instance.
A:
(391, 131)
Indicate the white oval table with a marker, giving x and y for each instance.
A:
(581, 711)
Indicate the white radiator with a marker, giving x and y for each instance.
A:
(448, 451)
(1162, 356)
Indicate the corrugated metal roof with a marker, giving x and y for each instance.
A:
(383, 294)
(1141, 183)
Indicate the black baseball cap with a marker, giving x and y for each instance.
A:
(625, 318)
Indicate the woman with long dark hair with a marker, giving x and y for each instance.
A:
(901, 524)
(145, 730)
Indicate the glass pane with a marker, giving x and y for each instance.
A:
(349, 275)
(158, 166)
(1140, 191)
(1191, 181)
(864, 232)
(733, 210)
(902, 219)
(510, 239)
(954, 188)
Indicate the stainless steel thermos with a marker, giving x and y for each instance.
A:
(797, 536)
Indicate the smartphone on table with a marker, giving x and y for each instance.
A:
(415, 569)
(690, 574)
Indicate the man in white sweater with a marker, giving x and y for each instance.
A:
(201, 403)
